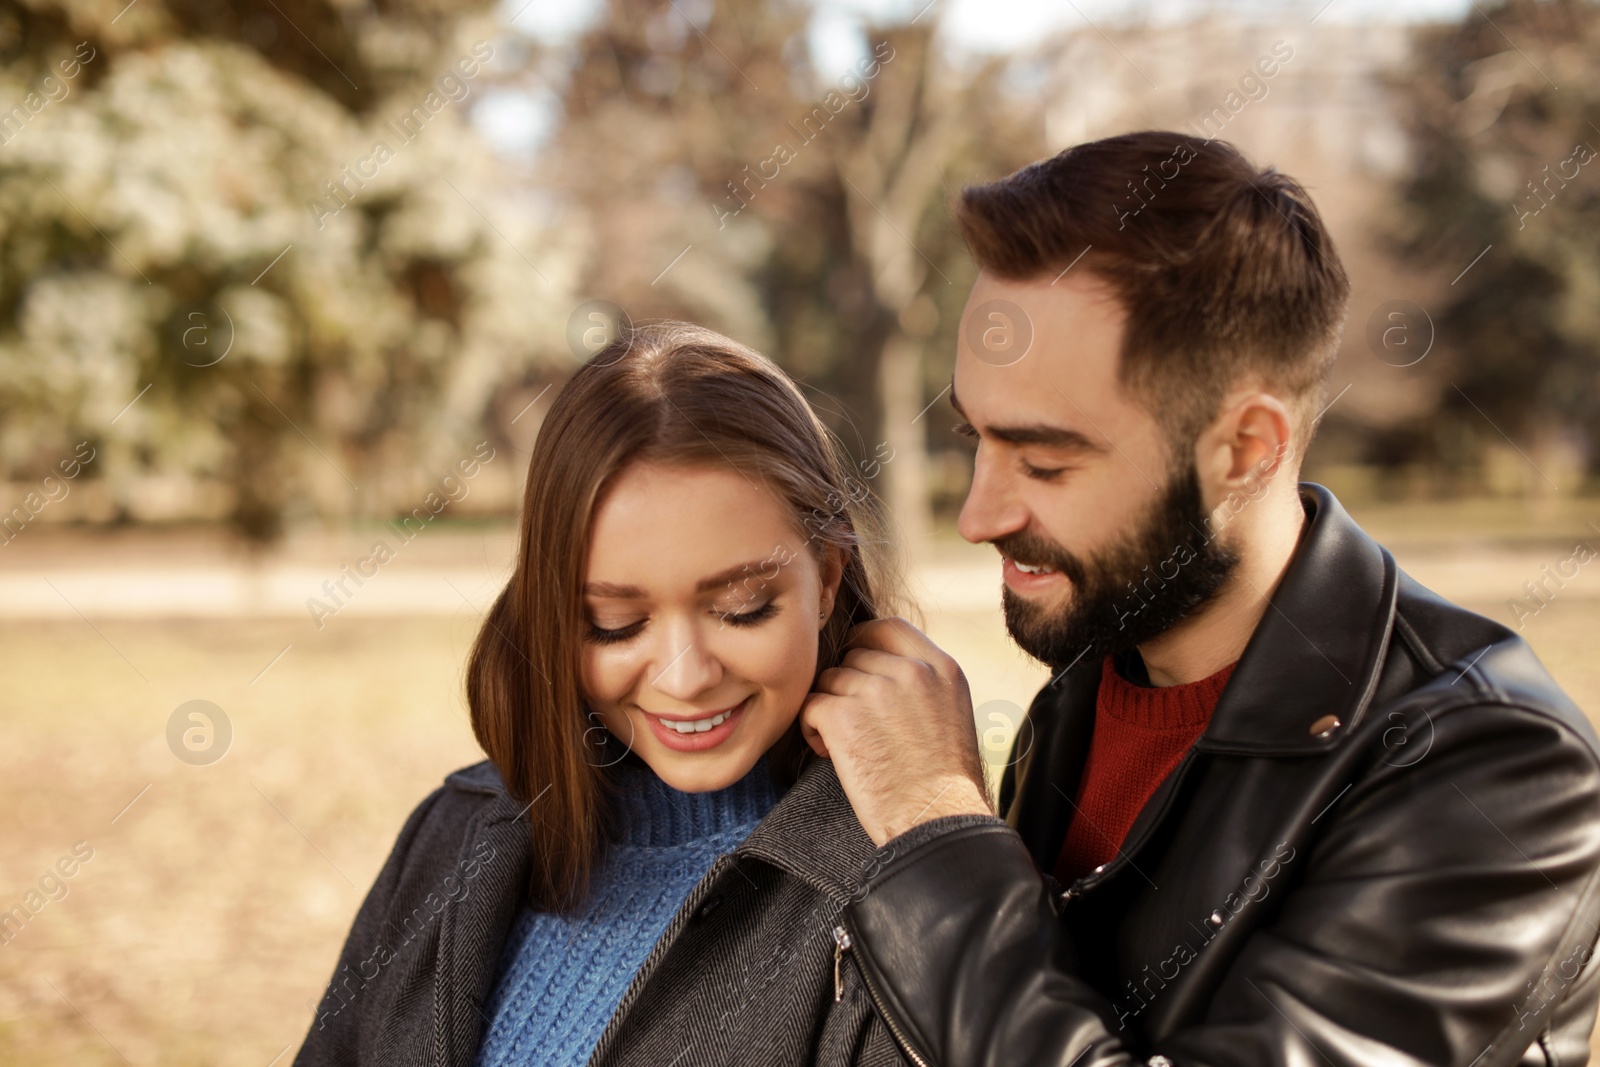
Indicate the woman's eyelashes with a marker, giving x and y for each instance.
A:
(599, 635)
(753, 617)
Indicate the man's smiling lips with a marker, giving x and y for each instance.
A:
(1027, 578)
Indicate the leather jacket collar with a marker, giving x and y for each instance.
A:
(1322, 638)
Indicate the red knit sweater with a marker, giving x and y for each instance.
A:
(1140, 734)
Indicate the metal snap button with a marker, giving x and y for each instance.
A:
(1324, 727)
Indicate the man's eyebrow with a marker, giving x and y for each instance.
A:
(1036, 433)
(721, 579)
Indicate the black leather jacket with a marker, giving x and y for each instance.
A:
(1383, 850)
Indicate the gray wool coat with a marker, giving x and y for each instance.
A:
(745, 973)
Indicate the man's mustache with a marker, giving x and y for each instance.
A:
(1033, 551)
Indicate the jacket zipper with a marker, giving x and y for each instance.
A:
(1124, 855)
(842, 943)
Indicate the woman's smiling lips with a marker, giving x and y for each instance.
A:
(696, 734)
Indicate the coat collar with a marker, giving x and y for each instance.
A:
(813, 834)
(810, 833)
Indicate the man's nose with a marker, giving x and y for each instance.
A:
(991, 510)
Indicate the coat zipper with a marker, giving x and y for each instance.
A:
(842, 943)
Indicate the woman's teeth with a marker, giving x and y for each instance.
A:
(696, 726)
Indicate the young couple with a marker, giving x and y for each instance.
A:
(1278, 805)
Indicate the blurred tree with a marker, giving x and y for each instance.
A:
(255, 253)
(731, 182)
(1504, 138)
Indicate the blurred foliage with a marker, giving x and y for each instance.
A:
(227, 264)
(731, 182)
(185, 288)
(1504, 138)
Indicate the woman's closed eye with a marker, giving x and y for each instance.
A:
(753, 617)
(600, 635)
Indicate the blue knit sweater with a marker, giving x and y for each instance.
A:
(561, 978)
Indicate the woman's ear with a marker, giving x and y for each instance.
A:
(833, 560)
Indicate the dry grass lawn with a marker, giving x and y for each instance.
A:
(217, 896)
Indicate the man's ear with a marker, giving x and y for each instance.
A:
(1247, 446)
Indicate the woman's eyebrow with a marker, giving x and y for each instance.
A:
(614, 591)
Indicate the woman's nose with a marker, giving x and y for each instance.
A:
(684, 665)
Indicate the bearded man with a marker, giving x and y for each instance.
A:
(1279, 804)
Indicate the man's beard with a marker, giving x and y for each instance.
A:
(1134, 589)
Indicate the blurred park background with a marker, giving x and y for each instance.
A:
(271, 270)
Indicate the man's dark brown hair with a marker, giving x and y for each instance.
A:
(1224, 269)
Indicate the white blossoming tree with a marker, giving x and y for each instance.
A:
(257, 256)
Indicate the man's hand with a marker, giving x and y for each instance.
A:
(896, 719)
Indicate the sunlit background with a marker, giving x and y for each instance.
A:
(272, 271)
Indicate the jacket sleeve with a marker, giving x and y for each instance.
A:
(336, 1035)
(1446, 913)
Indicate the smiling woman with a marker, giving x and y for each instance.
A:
(698, 680)
(692, 559)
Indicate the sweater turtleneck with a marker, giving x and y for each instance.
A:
(561, 977)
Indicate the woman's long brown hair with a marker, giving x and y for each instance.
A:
(668, 393)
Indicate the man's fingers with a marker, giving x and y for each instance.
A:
(809, 712)
(888, 664)
(897, 636)
(838, 681)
